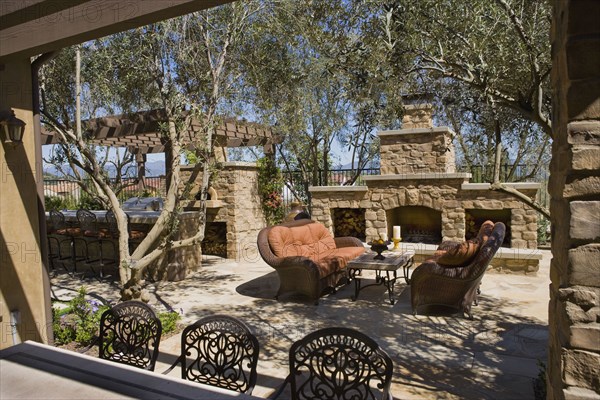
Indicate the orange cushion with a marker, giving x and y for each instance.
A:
(74, 231)
(459, 255)
(137, 235)
(311, 240)
(332, 261)
(349, 253)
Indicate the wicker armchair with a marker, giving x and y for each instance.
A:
(308, 260)
(456, 286)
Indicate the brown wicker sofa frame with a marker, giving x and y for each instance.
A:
(301, 274)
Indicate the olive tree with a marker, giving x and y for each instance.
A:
(183, 66)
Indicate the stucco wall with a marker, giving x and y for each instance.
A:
(23, 277)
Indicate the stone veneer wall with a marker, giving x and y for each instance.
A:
(574, 309)
(238, 205)
(445, 195)
(417, 150)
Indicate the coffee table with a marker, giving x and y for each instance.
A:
(389, 265)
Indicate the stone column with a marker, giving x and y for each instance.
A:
(574, 310)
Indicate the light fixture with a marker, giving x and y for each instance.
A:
(13, 127)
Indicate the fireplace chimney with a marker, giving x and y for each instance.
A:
(418, 111)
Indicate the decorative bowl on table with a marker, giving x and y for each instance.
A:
(379, 247)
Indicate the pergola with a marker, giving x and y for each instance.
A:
(140, 133)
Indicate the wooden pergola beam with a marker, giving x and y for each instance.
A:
(140, 133)
(32, 27)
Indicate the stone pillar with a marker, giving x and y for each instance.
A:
(574, 309)
(25, 290)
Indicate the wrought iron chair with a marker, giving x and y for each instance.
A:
(338, 363)
(130, 334)
(219, 351)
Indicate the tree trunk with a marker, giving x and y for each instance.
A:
(498, 152)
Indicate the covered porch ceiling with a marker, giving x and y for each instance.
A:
(32, 27)
(140, 133)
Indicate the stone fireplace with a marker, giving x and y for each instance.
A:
(420, 190)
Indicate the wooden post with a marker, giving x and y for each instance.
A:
(141, 159)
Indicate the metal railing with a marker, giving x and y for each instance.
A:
(68, 194)
(480, 174)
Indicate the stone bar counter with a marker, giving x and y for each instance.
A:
(179, 262)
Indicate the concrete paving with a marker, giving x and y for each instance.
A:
(444, 356)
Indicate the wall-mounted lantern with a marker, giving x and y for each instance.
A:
(12, 127)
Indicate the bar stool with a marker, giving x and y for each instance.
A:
(135, 236)
(57, 236)
(94, 236)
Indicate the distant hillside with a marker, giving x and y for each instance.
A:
(153, 168)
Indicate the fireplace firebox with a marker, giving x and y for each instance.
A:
(419, 224)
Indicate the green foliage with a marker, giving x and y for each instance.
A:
(542, 230)
(89, 203)
(59, 203)
(486, 62)
(318, 71)
(169, 321)
(79, 321)
(68, 203)
(270, 186)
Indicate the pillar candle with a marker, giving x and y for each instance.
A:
(397, 232)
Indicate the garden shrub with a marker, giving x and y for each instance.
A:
(169, 321)
(79, 321)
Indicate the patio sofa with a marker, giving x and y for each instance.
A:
(452, 276)
(308, 260)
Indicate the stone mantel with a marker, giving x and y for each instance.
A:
(515, 185)
(314, 189)
(238, 164)
(418, 176)
(413, 131)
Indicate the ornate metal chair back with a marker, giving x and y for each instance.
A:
(339, 363)
(87, 222)
(58, 220)
(130, 334)
(111, 220)
(220, 351)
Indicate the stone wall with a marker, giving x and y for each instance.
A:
(237, 204)
(417, 150)
(419, 115)
(574, 310)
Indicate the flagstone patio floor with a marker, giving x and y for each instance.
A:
(444, 356)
